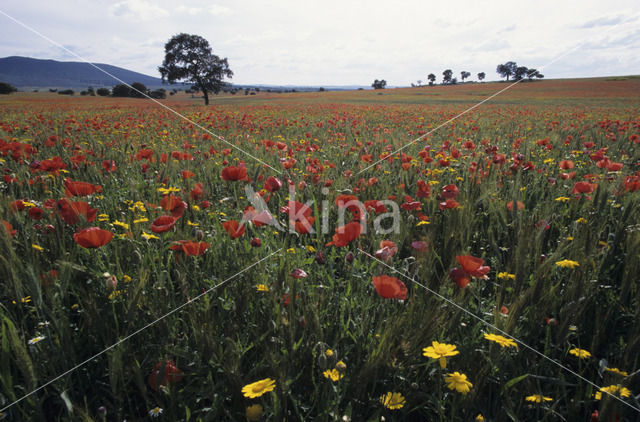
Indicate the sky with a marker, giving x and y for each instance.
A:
(337, 42)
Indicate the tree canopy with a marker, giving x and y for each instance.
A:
(189, 58)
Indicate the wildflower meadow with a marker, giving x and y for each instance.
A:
(340, 256)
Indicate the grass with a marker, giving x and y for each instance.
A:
(236, 334)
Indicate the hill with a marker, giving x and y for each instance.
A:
(26, 72)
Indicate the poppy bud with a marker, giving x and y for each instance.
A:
(349, 257)
(320, 258)
(255, 242)
(110, 281)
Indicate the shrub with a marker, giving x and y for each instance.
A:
(66, 92)
(121, 90)
(6, 88)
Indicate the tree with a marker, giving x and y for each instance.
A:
(507, 69)
(379, 84)
(520, 73)
(103, 92)
(464, 75)
(188, 58)
(481, 76)
(446, 76)
(121, 90)
(139, 90)
(533, 73)
(432, 78)
(6, 88)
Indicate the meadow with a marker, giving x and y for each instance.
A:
(139, 281)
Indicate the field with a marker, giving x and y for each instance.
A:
(487, 271)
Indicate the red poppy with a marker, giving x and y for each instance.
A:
(519, 206)
(257, 218)
(197, 192)
(17, 205)
(346, 234)
(187, 174)
(233, 173)
(74, 188)
(35, 213)
(92, 237)
(8, 228)
(566, 164)
(460, 277)
(449, 192)
(190, 248)
(164, 373)
(233, 228)
(473, 266)
(163, 224)
(411, 205)
(71, 211)
(584, 187)
(387, 250)
(389, 287)
(174, 204)
(375, 206)
(449, 204)
(299, 216)
(299, 273)
(272, 184)
(109, 165)
(424, 190)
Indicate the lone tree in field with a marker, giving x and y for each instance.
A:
(446, 76)
(432, 78)
(507, 69)
(520, 73)
(464, 75)
(6, 88)
(379, 84)
(481, 76)
(534, 73)
(188, 58)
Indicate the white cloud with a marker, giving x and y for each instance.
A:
(219, 10)
(137, 10)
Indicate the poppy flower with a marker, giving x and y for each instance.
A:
(460, 277)
(75, 188)
(35, 213)
(584, 187)
(566, 164)
(387, 250)
(272, 184)
(411, 205)
(424, 190)
(389, 287)
(233, 228)
(449, 204)
(17, 205)
(298, 273)
(109, 166)
(375, 206)
(164, 373)
(163, 224)
(234, 173)
(197, 192)
(174, 204)
(346, 234)
(8, 228)
(187, 174)
(449, 192)
(473, 266)
(92, 237)
(257, 218)
(72, 211)
(190, 248)
(299, 216)
(519, 206)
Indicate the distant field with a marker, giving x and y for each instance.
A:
(486, 270)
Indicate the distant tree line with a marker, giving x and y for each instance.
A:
(505, 70)
(6, 88)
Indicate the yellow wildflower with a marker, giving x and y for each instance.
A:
(566, 263)
(537, 398)
(258, 388)
(333, 375)
(393, 401)
(440, 351)
(506, 276)
(580, 353)
(458, 382)
(613, 389)
(501, 340)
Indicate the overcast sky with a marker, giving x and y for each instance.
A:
(337, 42)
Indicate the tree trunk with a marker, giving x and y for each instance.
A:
(206, 97)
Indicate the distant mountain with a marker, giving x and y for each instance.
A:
(26, 72)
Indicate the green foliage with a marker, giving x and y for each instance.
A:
(6, 88)
(189, 58)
